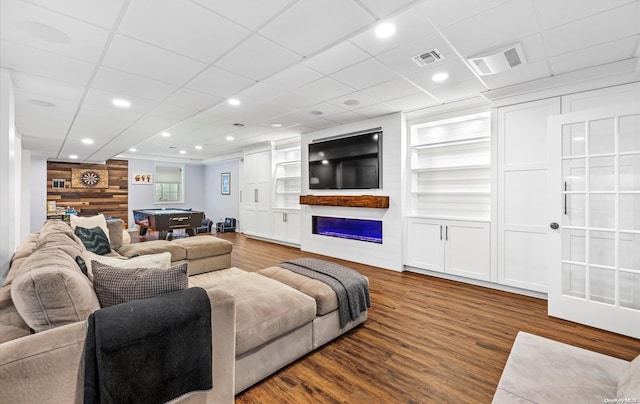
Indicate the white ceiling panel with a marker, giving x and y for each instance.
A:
(554, 13)
(46, 87)
(132, 56)
(326, 110)
(457, 91)
(173, 112)
(411, 102)
(372, 111)
(248, 13)
(443, 13)
(198, 100)
(502, 25)
(285, 80)
(53, 129)
(257, 58)
(365, 74)
(61, 114)
(41, 144)
(309, 25)
(392, 89)
(128, 84)
(400, 58)
(346, 117)
(409, 25)
(455, 68)
(40, 28)
(336, 58)
(594, 56)
(292, 101)
(581, 34)
(219, 82)
(382, 8)
(325, 89)
(182, 27)
(353, 101)
(103, 99)
(526, 72)
(41, 63)
(96, 12)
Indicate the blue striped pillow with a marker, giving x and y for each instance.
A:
(94, 239)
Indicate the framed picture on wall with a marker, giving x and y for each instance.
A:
(225, 183)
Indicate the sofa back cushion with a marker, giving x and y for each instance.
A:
(50, 290)
(116, 232)
(629, 381)
(160, 261)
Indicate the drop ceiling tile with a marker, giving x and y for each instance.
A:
(249, 13)
(41, 144)
(325, 89)
(182, 27)
(594, 56)
(372, 111)
(326, 109)
(197, 100)
(458, 71)
(103, 99)
(219, 82)
(555, 13)
(30, 125)
(353, 101)
(152, 125)
(40, 28)
(132, 56)
(315, 125)
(409, 25)
(527, 72)
(119, 117)
(457, 91)
(291, 78)
(48, 87)
(392, 89)
(365, 74)
(598, 29)
(257, 58)
(60, 110)
(41, 63)
(345, 117)
(173, 112)
(97, 12)
(336, 58)
(443, 13)
(412, 102)
(128, 84)
(308, 25)
(509, 23)
(292, 101)
(382, 8)
(400, 58)
(301, 117)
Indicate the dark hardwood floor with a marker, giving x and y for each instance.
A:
(426, 340)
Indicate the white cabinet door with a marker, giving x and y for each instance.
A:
(468, 249)
(286, 226)
(256, 196)
(293, 227)
(523, 196)
(279, 229)
(425, 244)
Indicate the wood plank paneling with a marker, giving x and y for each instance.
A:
(112, 201)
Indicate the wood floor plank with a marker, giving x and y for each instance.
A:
(426, 340)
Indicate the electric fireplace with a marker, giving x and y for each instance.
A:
(355, 229)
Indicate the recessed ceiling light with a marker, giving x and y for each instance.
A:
(276, 125)
(325, 162)
(133, 149)
(87, 141)
(119, 102)
(316, 112)
(351, 102)
(73, 156)
(198, 147)
(385, 30)
(183, 152)
(229, 138)
(442, 76)
(234, 101)
(165, 134)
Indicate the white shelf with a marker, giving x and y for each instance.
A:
(453, 192)
(480, 139)
(453, 168)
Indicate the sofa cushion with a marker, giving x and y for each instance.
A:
(12, 325)
(160, 260)
(115, 285)
(326, 299)
(153, 247)
(204, 246)
(51, 291)
(265, 309)
(90, 222)
(94, 239)
(629, 381)
(115, 227)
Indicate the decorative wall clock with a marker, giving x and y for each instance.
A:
(89, 178)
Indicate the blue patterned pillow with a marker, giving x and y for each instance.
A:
(94, 239)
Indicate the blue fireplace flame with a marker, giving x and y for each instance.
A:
(355, 229)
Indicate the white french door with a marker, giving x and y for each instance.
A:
(594, 185)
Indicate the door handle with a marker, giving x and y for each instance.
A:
(441, 232)
(446, 233)
(554, 225)
(255, 195)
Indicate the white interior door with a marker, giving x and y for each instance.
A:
(594, 183)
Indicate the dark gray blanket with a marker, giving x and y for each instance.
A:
(350, 286)
(149, 351)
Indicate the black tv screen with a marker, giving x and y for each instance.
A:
(351, 162)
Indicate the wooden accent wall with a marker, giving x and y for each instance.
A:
(112, 201)
(356, 201)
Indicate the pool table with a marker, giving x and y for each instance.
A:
(167, 220)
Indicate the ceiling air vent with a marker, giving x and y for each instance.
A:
(427, 58)
(498, 61)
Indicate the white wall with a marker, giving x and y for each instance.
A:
(10, 175)
(389, 253)
(142, 196)
(216, 205)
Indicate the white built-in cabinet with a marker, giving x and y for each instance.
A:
(286, 193)
(286, 226)
(256, 198)
(448, 227)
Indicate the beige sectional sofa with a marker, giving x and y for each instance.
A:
(260, 321)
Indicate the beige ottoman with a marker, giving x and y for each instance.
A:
(206, 253)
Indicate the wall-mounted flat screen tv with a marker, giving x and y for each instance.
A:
(348, 162)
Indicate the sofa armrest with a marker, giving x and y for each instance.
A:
(47, 367)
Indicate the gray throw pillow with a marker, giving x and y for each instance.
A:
(94, 239)
(117, 285)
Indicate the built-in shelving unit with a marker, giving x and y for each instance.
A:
(451, 168)
(286, 177)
